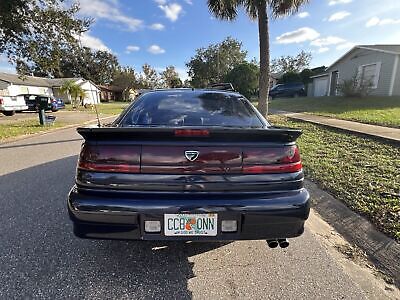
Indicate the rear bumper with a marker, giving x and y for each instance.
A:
(122, 216)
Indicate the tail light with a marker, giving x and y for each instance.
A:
(1, 101)
(271, 160)
(121, 159)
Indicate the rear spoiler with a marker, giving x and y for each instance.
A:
(215, 134)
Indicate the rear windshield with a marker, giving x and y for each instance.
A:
(191, 109)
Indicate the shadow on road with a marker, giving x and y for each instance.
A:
(40, 257)
(6, 146)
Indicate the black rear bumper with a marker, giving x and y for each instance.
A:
(122, 215)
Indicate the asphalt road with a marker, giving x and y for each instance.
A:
(40, 257)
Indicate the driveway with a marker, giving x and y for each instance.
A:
(40, 257)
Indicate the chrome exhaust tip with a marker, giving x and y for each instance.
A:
(283, 243)
(272, 243)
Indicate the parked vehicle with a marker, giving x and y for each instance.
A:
(189, 165)
(32, 101)
(11, 104)
(296, 89)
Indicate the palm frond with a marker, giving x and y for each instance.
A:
(281, 8)
(224, 9)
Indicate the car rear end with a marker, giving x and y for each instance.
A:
(10, 104)
(177, 177)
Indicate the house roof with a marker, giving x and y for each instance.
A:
(389, 49)
(112, 88)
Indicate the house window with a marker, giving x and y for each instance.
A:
(370, 74)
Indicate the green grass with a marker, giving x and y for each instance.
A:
(113, 108)
(361, 172)
(24, 127)
(384, 111)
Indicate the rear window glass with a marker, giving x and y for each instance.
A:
(191, 109)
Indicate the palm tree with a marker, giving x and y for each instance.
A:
(74, 90)
(258, 10)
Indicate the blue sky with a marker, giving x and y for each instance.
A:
(167, 32)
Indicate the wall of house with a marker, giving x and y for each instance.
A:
(15, 89)
(92, 93)
(396, 89)
(348, 67)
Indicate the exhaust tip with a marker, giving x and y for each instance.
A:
(283, 243)
(272, 243)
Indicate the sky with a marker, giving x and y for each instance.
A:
(167, 32)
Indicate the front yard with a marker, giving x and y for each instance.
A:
(384, 111)
(112, 108)
(361, 172)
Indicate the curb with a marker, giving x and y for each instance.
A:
(25, 136)
(384, 138)
(383, 251)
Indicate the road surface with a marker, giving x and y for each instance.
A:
(40, 257)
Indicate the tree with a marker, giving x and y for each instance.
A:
(170, 78)
(35, 34)
(98, 66)
(290, 77)
(211, 65)
(126, 79)
(289, 63)
(149, 78)
(74, 90)
(244, 78)
(257, 10)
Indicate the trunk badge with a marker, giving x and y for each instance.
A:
(191, 155)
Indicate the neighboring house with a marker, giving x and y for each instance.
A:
(13, 85)
(377, 64)
(274, 78)
(110, 93)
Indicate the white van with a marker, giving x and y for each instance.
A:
(10, 104)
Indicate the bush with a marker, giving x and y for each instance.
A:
(355, 87)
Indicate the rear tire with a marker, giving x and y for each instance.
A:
(9, 113)
(54, 109)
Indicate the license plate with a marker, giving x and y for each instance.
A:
(190, 224)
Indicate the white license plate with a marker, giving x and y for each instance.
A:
(190, 224)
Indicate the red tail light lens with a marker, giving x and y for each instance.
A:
(120, 159)
(192, 132)
(1, 101)
(272, 160)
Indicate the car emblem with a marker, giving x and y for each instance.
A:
(191, 155)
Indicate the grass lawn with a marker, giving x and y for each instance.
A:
(361, 172)
(383, 111)
(113, 108)
(24, 127)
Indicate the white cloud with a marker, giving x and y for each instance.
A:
(327, 41)
(3, 58)
(161, 2)
(108, 9)
(189, 2)
(172, 11)
(323, 50)
(157, 26)
(375, 21)
(155, 49)
(131, 48)
(345, 46)
(92, 42)
(303, 15)
(339, 16)
(335, 2)
(298, 36)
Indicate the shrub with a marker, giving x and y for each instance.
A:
(355, 87)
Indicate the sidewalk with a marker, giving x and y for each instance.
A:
(391, 134)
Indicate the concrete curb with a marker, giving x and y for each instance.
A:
(26, 136)
(383, 251)
(375, 135)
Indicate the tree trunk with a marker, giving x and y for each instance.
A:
(263, 32)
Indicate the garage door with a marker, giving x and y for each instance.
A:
(321, 87)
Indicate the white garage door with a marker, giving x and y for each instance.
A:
(321, 86)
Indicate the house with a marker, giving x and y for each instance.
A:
(377, 64)
(110, 93)
(13, 85)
